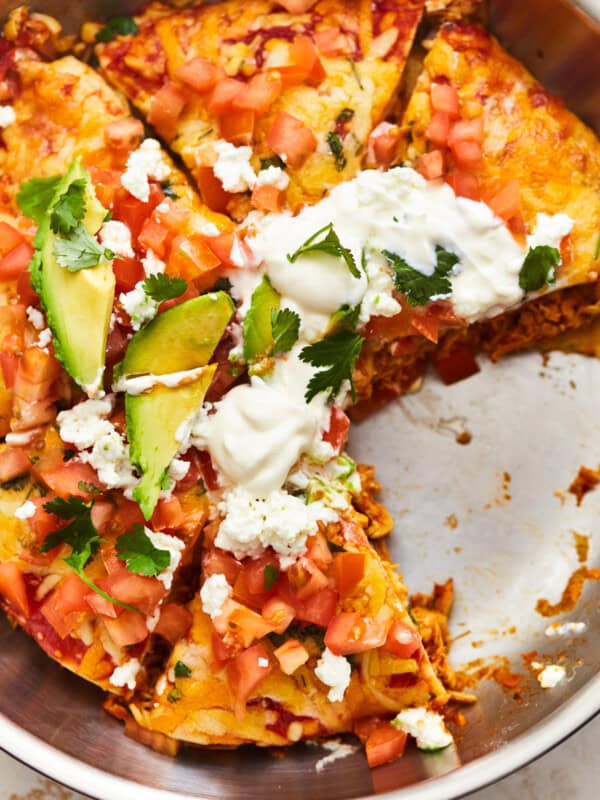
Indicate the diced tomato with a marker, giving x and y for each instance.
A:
(126, 516)
(107, 184)
(444, 98)
(319, 608)
(464, 185)
(42, 523)
(331, 41)
(467, 154)
(211, 189)
(189, 294)
(209, 473)
(69, 478)
(246, 672)
(291, 655)
(124, 134)
(63, 623)
(459, 364)
(13, 462)
(135, 590)
(102, 512)
(427, 325)
(154, 236)
(241, 593)
(438, 129)
(268, 197)
(384, 744)
(383, 143)
(259, 94)
(168, 515)
(15, 262)
(13, 587)
(466, 130)
(254, 572)
(171, 215)
(290, 137)
(36, 372)
(402, 640)
(199, 73)
(306, 578)
(9, 238)
(221, 652)
(218, 562)
(297, 6)
(9, 363)
(174, 622)
(317, 550)
(237, 127)
(99, 605)
(224, 93)
(167, 105)
(506, 202)
(128, 272)
(305, 66)
(431, 165)
(222, 245)
(190, 257)
(246, 625)
(349, 571)
(339, 425)
(278, 614)
(351, 632)
(26, 292)
(127, 629)
(134, 212)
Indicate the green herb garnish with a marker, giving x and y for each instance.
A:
(272, 161)
(139, 554)
(80, 250)
(337, 353)
(329, 244)
(270, 576)
(162, 287)
(35, 195)
(539, 268)
(69, 209)
(420, 288)
(117, 26)
(337, 148)
(285, 325)
(182, 670)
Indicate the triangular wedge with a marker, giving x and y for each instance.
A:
(358, 57)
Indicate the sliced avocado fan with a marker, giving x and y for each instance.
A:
(182, 338)
(79, 301)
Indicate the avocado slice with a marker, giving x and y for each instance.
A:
(78, 304)
(257, 329)
(182, 338)
(152, 422)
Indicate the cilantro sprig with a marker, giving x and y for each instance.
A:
(69, 209)
(35, 195)
(420, 288)
(539, 268)
(337, 149)
(337, 355)
(329, 244)
(285, 325)
(139, 554)
(117, 26)
(80, 250)
(182, 670)
(270, 576)
(162, 287)
(81, 535)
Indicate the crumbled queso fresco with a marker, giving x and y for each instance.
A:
(427, 727)
(334, 671)
(214, 592)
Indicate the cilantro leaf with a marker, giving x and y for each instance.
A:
(337, 148)
(35, 195)
(182, 670)
(285, 325)
(79, 250)
(273, 161)
(139, 554)
(344, 115)
(337, 353)
(270, 576)
(81, 535)
(344, 319)
(117, 26)
(420, 288)
(69, 209)
(167, 187)
(539, 267)
(330, 244)
(162, 287)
